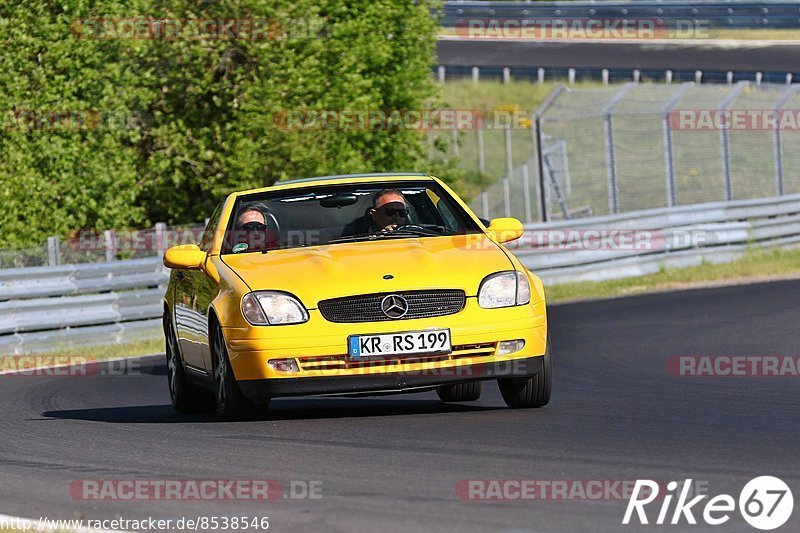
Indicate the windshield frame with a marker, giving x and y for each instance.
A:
(465, 220)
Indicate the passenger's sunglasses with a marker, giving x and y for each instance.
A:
(254, 226)
(392, 211)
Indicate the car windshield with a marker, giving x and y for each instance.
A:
(343, 213)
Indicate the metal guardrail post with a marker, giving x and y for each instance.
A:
(441, 72)
(53, 250)
(110, 240)
(161, 238)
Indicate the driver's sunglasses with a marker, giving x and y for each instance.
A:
(392, 211)
(254, 226)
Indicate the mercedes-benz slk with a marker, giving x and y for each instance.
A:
(303, 289)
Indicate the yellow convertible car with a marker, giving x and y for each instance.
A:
(352, 285)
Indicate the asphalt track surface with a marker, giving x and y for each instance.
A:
(765, 56)
(392, 463)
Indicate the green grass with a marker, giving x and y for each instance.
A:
(756, 265)
(110, 351)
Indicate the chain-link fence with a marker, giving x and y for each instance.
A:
(641, 146)
(109, 245)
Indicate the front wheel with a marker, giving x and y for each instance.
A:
(185, 397)
(460, 392)
(533, 391)
(231, 403)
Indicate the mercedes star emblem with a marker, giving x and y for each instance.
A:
(394, 306)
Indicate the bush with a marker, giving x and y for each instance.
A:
(108, 132)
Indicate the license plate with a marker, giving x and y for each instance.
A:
(431, 341)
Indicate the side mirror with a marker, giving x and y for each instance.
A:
(185, 256)
(506, 229)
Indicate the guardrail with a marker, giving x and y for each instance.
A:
(730, 14)
(644, 242)
(47, 308)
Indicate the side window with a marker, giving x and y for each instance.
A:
(211, 228)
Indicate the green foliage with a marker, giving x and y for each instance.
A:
(162, 129)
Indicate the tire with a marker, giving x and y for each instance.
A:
(231, 403)
(460, 392)
(185, 397)
(531, 392)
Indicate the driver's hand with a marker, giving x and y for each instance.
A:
(390, 227)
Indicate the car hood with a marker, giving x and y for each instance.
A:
(347, 269)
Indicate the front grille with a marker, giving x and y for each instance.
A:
(367, 307)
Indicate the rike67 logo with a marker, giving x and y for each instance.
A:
(765, 503)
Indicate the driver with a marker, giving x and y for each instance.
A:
(389, 210)
(252, 230)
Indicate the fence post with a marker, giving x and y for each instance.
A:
(509, 156)
(161, 238)
(571, 76)
(540, 75)
(637, 75)
(537, 135)
(724, 138)
(53, 251)
(604, 74)
(698, 76)
(526, 193)
(110, 238)
(506, 75)
(506, 197)
(481, 152)
(777, 140)
(611, 156)
(668, 76)
(455, 140)
(669, 160)
(476, 74)
(441, 73)
(538, 150)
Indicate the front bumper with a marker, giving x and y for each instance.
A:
(320, 348)
(389, 382)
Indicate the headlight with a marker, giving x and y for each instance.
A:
(272, 308)
(504, 289)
